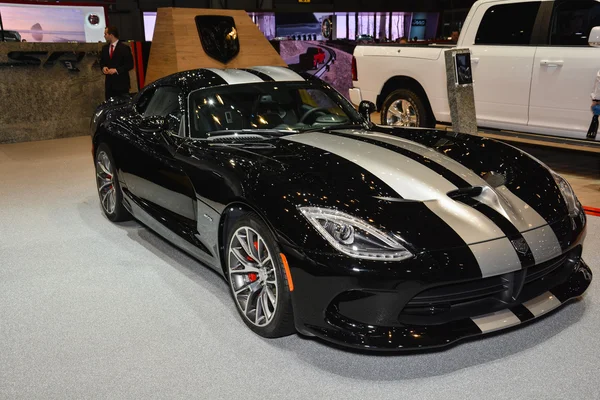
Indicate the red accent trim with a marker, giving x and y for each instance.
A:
(592, 211)
(132, 47)
(141, 74)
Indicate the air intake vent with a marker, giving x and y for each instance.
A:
(236, 138)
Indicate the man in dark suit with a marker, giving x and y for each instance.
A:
(116, 61)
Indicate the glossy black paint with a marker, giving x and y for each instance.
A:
(191, 188)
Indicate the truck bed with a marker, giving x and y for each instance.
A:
(421, 51)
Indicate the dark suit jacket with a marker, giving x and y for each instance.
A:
(122, 60)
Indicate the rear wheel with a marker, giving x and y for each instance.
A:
(403, 107)
(109, 189)
(257, 278)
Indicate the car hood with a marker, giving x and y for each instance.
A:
(428, 186)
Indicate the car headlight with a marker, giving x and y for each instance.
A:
(353, 236)
(568, 194)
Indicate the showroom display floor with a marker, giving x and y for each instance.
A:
(92, 309)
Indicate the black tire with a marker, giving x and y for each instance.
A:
(119, 213)
(425, 117)
(282, 322)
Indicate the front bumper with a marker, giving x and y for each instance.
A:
(409, 337)
(354, 306)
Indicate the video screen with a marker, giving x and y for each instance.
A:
(329, 63)
(464, 75)
(48, 23)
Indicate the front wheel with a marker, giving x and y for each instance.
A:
(403, 107)
(109, 189)
(257, 278)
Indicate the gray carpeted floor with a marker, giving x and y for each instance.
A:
(90, 309)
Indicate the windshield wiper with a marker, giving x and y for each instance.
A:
(272, 132)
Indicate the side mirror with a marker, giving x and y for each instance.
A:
(594, 37)
(366, 108)
(153, 124)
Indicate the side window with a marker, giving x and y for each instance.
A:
(572, 22)
(508, 24)
(144, 100)
(165, 103)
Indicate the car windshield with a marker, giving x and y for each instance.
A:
(270, 106)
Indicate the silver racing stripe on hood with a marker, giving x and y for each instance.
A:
(411, 180)
(543, 243)
(469, 176)
(501, 199)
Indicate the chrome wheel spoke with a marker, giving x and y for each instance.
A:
(248, 265)
(113, 199)
(243, 241)
(253, 287)
(265, 303)
(270, 295)
(260, 248)
(104, 169)
(394, 111)
(105, 198)
(104, 185)
(250, 244)
(259, 310)
(266, 261)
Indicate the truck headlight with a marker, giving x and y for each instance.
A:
(353, 236)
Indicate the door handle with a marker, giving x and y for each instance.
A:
(475, 60)
(551, 63)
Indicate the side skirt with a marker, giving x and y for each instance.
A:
(145, 218)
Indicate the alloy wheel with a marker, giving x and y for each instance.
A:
(402, 113)
(105, 182)
(252, 276)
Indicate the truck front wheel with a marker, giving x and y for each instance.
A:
(403, 107)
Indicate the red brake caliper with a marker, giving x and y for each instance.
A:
(253, 277)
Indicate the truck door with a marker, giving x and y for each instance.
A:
(564, 71)
(502, 59)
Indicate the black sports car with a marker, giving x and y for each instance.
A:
(325, 224)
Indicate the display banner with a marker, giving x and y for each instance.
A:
(53, 23)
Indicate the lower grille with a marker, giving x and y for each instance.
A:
(498, 291)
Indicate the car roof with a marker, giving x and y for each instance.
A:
(207, 77)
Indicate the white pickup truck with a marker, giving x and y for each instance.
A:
(533, 65)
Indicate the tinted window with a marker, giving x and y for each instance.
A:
(144, 100)
(165, 103)
(508, 24)
(573, 21)
(279, 106)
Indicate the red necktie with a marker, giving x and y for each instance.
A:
(112, 48)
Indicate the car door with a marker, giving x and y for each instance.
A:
(564, 71)
(155, 177)
(502, 58)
